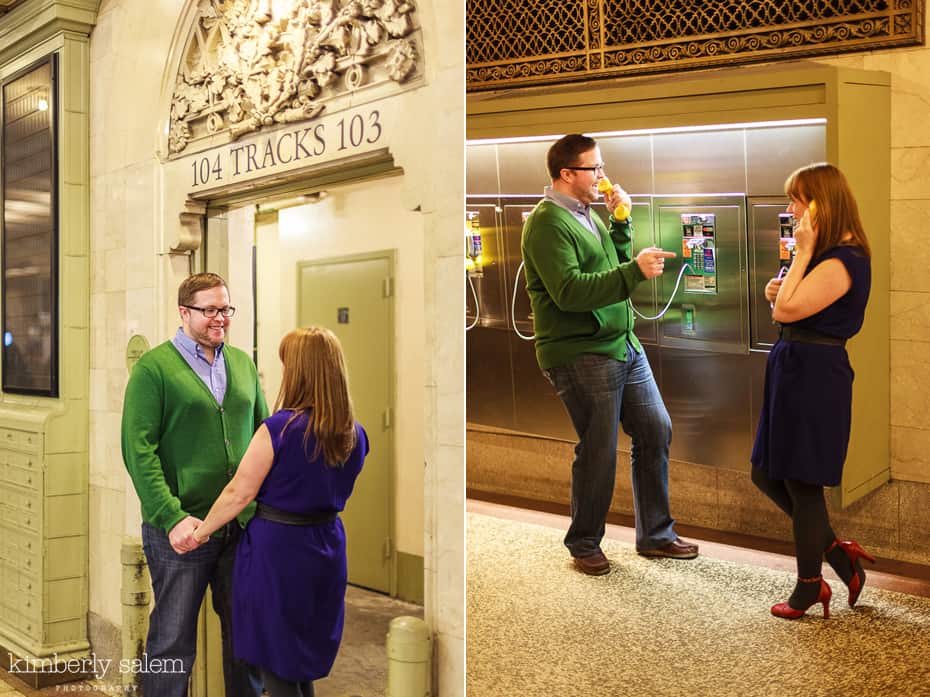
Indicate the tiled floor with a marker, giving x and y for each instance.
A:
(360, 669)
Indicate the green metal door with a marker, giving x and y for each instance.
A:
(353, 297)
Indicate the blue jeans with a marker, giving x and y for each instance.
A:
(180, 583)
(600, 392)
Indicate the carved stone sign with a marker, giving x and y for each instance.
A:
(327, 139)
(250, 64)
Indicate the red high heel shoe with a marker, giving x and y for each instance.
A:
(787, 612)
(855, 552)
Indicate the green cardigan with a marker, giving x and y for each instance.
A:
(578, 286)
(180, 446)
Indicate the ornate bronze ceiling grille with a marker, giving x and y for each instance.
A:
(520, 42)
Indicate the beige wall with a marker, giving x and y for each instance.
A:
(135, 203)
(127, 57)
(355, 219)
(910, 254)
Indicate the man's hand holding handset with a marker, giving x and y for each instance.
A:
(651, 260)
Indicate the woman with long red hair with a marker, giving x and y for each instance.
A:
(804, 426)
(290, 576)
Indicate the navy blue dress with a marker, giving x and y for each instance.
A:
(289, 581)
(807, 405)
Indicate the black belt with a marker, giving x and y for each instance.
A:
(809, 336)
(276, 515)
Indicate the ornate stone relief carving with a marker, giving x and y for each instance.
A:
(255, 63)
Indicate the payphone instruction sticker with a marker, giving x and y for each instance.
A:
(698, 248)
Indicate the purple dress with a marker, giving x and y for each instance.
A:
(289, 581)
(807, 405)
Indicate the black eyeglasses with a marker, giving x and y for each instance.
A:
(593, 168)
(211, 312)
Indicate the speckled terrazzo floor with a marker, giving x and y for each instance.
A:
(665, 628)
(360, 669)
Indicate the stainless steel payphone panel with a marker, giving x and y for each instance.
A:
(709, 311)
(484, 269)
(765, 260)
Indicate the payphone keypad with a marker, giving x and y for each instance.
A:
(698, 249)
(473, 246)
(786, 226)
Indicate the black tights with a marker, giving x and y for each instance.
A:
(278, 687)
(805, 505)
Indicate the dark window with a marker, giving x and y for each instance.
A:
(30, 232)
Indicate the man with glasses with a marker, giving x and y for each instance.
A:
(579, 275)
(191, 407)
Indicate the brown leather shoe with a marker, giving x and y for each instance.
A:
(594, 564)
(676, 549)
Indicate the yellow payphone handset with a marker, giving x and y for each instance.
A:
(786, 241)
(473, 247)
(621, 212)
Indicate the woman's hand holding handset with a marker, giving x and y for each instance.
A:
(805, 235)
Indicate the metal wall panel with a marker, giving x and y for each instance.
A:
(537, 408)
(488, 284)
(523, 168)
(481, 170)
(711, 382)
(515, 211)
(488, 377)
(719, 318)
(710, 397)
(763, 265)
(629, 162)
(774, 153)
(695, 163)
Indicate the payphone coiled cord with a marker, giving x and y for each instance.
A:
(639, 314)
(513, 306)
(477, 307)
(516, 282)
(780, 276)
